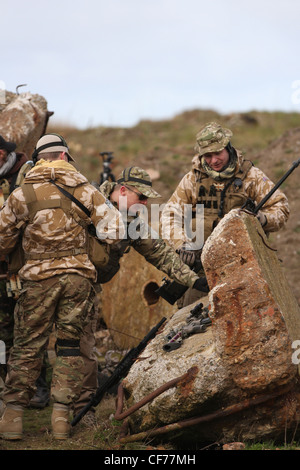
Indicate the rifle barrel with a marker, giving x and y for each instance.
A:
(121, 370)
(279, 183)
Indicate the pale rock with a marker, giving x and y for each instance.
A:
(246, 354)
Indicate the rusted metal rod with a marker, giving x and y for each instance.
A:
(119, 415)
(232, 409)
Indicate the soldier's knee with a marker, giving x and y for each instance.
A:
(67, 347)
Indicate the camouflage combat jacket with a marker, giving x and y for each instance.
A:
(54, 230)
(154, 250)
(197, 187)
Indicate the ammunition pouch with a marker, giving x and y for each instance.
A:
(107, 272)
(16, 259)
(220, 198)
(98, 252)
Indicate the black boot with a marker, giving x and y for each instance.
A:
(41, 397)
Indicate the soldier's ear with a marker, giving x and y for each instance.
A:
(64, 156)
(123, 190)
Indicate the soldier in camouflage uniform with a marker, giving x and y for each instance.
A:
(13, 168)
(133, 187)
(58, 277)
(220, 179)
(10, 164)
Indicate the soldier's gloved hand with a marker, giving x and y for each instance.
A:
(262, 218)
(187, 256)
(201, 284)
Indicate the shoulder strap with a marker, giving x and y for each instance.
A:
(73, 199)
(245, 167)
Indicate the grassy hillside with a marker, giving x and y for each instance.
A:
(168, 146)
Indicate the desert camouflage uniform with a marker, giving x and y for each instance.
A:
(256, 185)
(52, 230)
(199, 187)
(58, 278)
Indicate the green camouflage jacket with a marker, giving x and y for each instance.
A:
(154, 250)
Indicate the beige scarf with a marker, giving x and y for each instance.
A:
(227, 173)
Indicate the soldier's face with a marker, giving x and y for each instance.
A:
(3, 157)
(217, 160)
(130, 198)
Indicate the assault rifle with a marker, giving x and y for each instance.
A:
(120, 372)
(172, 291)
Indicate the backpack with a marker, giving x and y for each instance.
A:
(97, 251)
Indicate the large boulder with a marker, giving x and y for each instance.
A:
(238, 376)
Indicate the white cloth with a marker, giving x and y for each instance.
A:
(8, 165)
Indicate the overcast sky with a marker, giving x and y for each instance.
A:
(115, 62)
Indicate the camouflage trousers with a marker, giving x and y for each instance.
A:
(65, 302)
(7, 305)
(90, 361)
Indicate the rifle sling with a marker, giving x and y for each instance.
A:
(73, 199)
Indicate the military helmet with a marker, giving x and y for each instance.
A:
(51, 143)
(139, 179)
(212, 138)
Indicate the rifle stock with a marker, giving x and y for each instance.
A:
(121, 371)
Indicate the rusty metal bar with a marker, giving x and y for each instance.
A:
(124, 430)
(232, 409)
(119, 415)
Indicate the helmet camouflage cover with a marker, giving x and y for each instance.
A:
(212, 138)
(139, 179)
